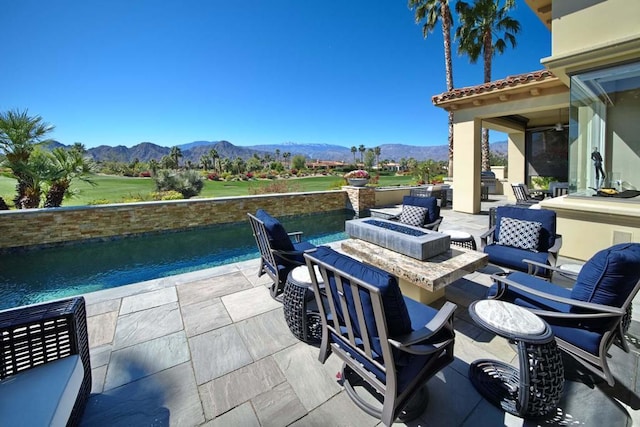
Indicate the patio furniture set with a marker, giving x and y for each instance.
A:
(369, 307)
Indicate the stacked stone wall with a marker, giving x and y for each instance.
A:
(43, 227)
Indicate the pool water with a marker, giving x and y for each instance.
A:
(41, 275)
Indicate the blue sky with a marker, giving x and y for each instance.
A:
(120, 72)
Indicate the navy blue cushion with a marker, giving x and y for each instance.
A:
(585, 334)
(278, 237)
(510, 257)
(609, 276)
(544, 216)
(397, 316)
(431, 203)
(407, 365)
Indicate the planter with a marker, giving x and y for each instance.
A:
(358, 182)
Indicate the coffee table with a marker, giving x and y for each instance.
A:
(424, 281)
(534, 389)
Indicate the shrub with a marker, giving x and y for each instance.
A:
(167, 195)
(145, 174)
(99, 202)
(189, 183)
(213, 177)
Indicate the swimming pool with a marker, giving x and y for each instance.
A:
(42, 275)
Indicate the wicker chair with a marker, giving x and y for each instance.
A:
(390, 345)
(35, 337)
(278, 254)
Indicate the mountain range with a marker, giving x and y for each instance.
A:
(193, 151)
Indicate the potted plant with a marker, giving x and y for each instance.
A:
(357, 178)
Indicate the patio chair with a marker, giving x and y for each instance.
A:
(557, 189)
(390, 345)
(420, 212)
(590, 317)
(523, 234)
(523, 196)
(278, 254)
(45, 370)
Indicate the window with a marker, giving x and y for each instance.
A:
(604, 130)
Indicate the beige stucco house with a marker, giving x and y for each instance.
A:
(586, 99)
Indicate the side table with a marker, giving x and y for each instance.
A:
(461, 238)
(300, 307)
(534, 389)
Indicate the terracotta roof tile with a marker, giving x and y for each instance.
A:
(509, 81)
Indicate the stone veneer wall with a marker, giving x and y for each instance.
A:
(38, 227)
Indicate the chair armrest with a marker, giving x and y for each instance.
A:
(484, 237)
(297, 236)
(290, 256)
(428, 339)
(607, 310)
(546, 266)
(433, 225)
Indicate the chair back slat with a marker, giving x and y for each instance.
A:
(520, 192)
(262, 241)
(349, 324)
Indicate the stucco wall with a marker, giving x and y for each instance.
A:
(581, 25)
(36, 227)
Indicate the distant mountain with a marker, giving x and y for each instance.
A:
(193, 151)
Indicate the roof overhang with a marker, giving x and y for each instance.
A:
(512, 88)
(542, 9)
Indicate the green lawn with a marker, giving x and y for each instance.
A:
(118, 189)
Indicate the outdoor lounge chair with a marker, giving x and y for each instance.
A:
(390, 345)
(420, 212)
(523, 196)
(45, 371)
(587, 319)
(520, 234)
(278, 254)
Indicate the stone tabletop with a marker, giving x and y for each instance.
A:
(502, 316)
(432, 274)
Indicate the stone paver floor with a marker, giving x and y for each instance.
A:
(212, 348)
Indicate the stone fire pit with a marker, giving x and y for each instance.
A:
(415, 242)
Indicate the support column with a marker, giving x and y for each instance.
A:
(467, 165)
(516, 164)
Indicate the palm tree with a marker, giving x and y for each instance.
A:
(286, 156)
(485, 29)
(79, 146)
(354, 150)
(434, 11)
(19, 133)
(377, 151)
(66, 166)
(215, 158)
(277, 154)
(361, 149)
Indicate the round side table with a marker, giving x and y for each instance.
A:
(534, 389)
(461, 238)
(300, 307)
